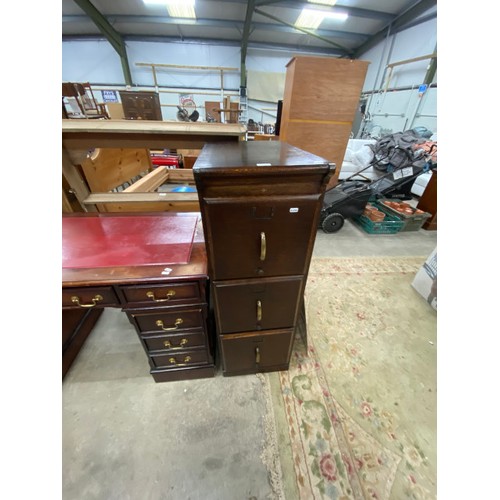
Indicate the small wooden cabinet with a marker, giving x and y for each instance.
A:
(260, 204)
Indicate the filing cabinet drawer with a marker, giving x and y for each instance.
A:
(172, 320)
(173, 343)
(256, 351)
(261, 236)
(179, 359)
(88, 297)
(265, 304)
(162, 295)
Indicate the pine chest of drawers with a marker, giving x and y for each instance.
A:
(260, 203)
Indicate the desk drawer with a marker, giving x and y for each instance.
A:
(162, 295)
(173, 320)
(174, 342)
(256, 351)
(179, 359)
(88, 297)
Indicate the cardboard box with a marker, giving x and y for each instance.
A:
(425, 281)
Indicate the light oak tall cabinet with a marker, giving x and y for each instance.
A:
(319, 105)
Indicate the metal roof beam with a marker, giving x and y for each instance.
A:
(351, 11)
(409, 16)
(221, 23)
(244, 41)
(345, 50)
(213, 41)
(113, 37)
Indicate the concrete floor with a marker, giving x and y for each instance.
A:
(126, 437)
(352, 241)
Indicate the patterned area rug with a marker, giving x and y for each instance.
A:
(356, 412)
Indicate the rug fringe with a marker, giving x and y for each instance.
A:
(270, 453)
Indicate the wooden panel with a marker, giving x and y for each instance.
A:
(173, 319)
(328, 140)
(179, 175)
(184, 358)
(108, 168)
(326, 88)
(259, 237)
(266, 137)
(428, 202)
(148, 206)
(87, 296)
(141, 105)
(189, 156)
(145, 202)
(149, 182)
(210, 107)
(259, 304)
(175, 342)
(172, 294)
(115, 110)
(76, 327)
(319, 105)
(256, 351)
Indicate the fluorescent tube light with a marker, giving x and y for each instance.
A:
(181, 8)
(309, 18)
(331, 3)
(312, 18)
(176, 8)
(339, 16)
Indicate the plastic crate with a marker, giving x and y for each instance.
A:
(410, 222)
(390, 225)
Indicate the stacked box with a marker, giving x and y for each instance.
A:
(390, 225)
(411, 222)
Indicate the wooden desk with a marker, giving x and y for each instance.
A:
(80, 136)
(167, 304)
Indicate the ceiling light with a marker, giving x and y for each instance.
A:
(339, 16)
(312, 18)
(176, 8)
(181, 8)
(324, 2)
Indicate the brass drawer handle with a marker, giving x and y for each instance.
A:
(259, 310)
(263, 246)
(169, 345)
(257, 356)
(95, 300)
(173, 361)
(151, 295)
(178, 322)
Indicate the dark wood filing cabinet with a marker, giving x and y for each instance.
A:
(260, 203)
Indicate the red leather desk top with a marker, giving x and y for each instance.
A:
(110, 241)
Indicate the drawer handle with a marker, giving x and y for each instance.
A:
(259, 310)
(169, 345)
(263, 246)
(173, 361)
(257, 356)
(178, 322)
(151, 295)
(95, 300)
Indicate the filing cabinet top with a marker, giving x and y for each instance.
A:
(256, 155)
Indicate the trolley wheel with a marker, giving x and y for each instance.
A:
(332, 223)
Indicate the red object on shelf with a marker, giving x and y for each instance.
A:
(114, 241)
(169, 161)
